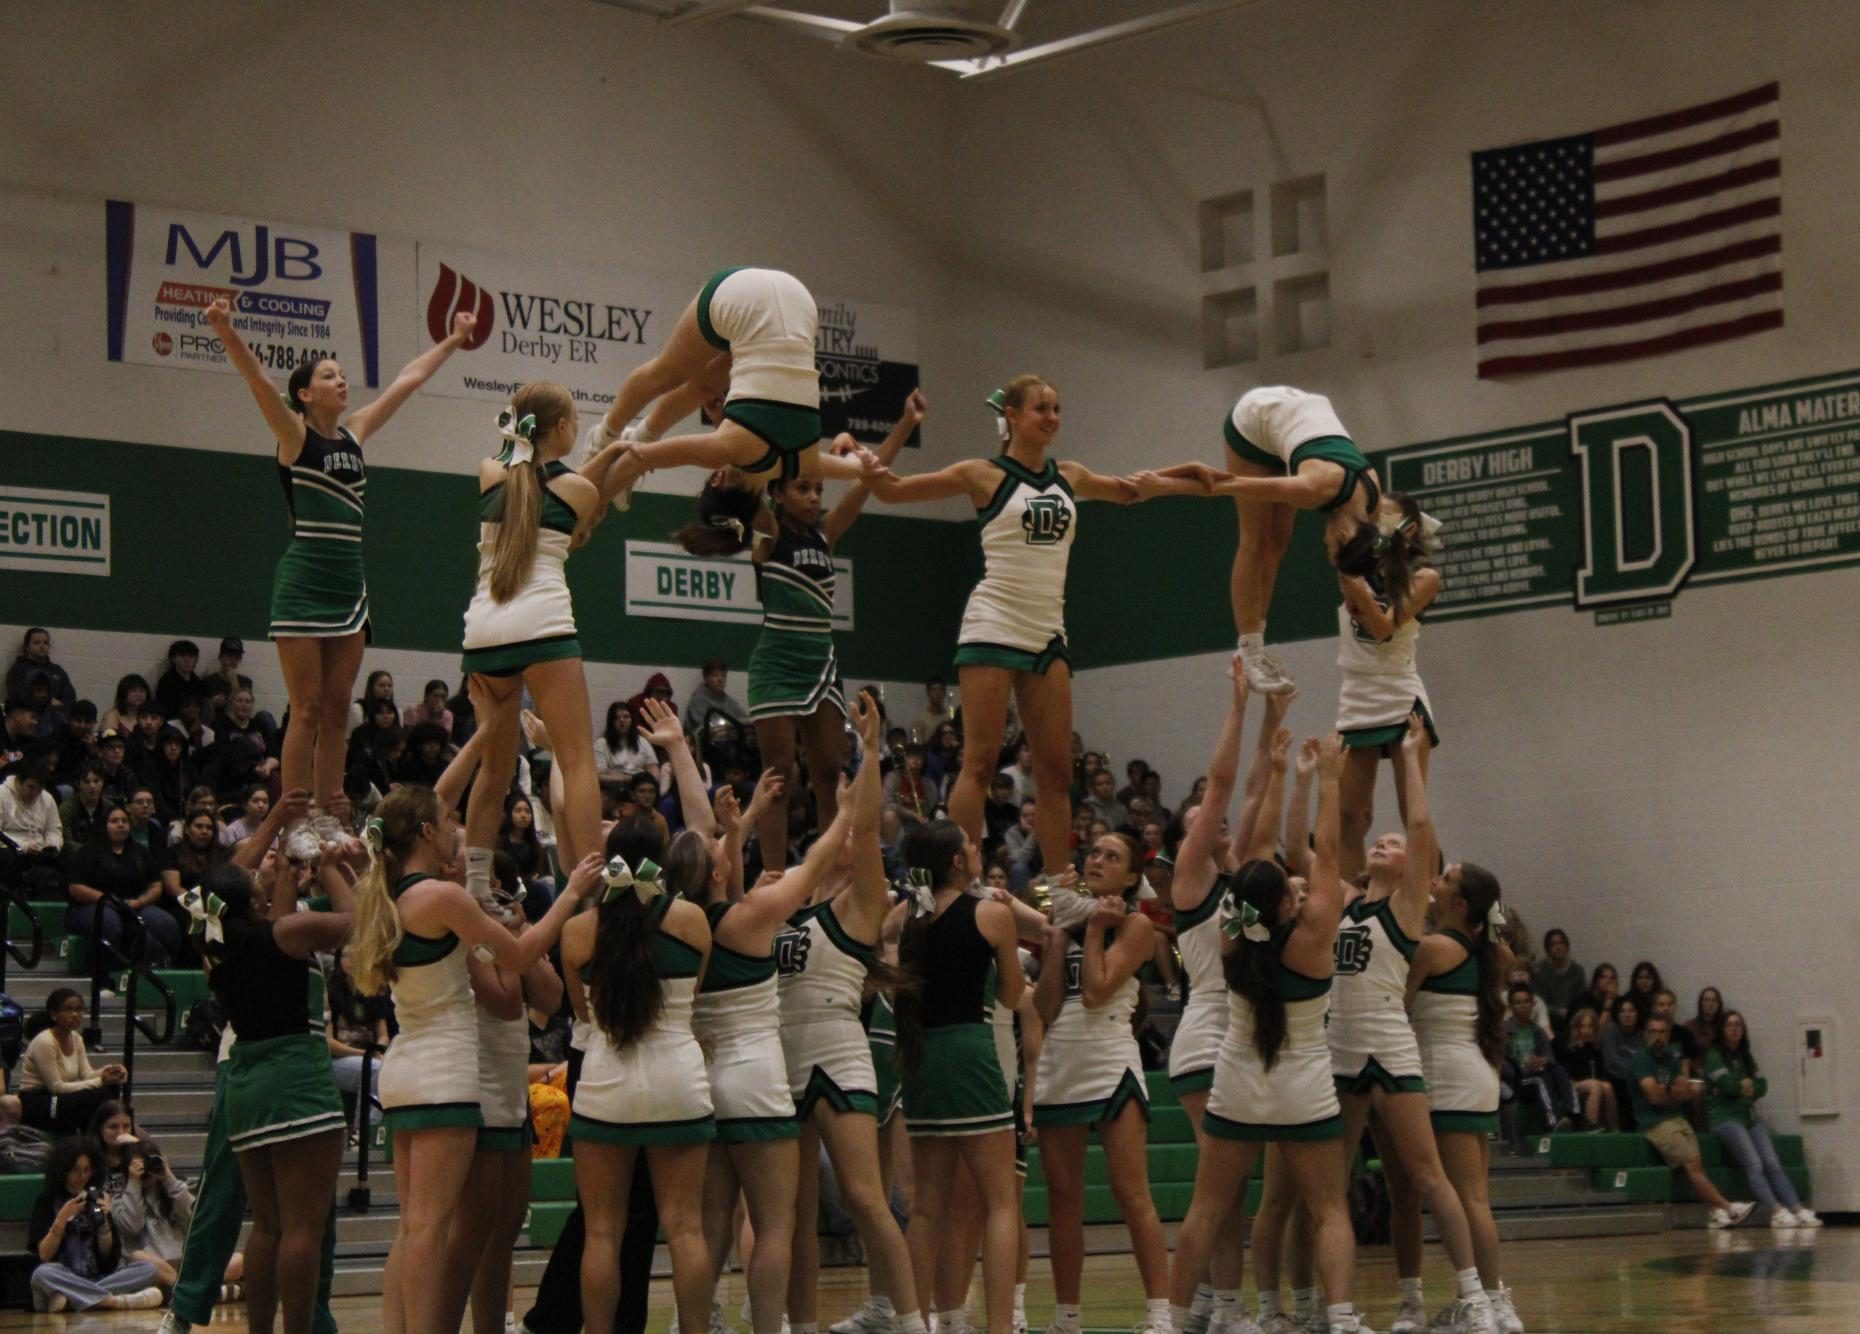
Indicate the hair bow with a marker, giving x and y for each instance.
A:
(997, 402)
(1382, 544)
(1392, 521)
(1242, 919)
(922, 891)
(206, 910)
(374, 834)
(1495, 916)
(729, 523)
(643, 880)
(519, 433)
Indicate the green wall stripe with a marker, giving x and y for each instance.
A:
(197, 532)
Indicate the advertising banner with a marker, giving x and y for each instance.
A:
(298, 293)
(57, 532)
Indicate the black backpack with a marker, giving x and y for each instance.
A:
(12, 1030)
(23, 1150)
(206, 1025)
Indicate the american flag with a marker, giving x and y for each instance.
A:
(1649, 237)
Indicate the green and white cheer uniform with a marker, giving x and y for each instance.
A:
(429, 1076)
(737, 1020)
(538, 624)
(654, 1090)
(957, 1088)
(1372, 1044)
(1381, 682)
(1278, 427)
(1197, 1040)
(881, 1032)
(1462, 1086)
(765, 319)
(1090, 1067)
(793, 668)
(504, 1082)
(1295, 1099)
(319, 590)
(822, 975)
(1016, 616)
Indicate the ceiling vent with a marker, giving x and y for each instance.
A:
(926, 33)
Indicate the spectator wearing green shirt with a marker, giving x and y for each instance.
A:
(1661, 1091)
(1559, 979)
(1733, 1087)
(1530, 1064)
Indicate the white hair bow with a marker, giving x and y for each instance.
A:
(643, 880)
(206, 910)
(519, 433)
(1495, 916)
(1240, 918)
(922, 891)
(1388, 522)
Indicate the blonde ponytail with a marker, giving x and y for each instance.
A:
(377, 931)
(540, 406)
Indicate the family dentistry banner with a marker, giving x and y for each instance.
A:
(298, 293)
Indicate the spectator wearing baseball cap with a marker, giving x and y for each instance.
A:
(180, 680)
(119, 780)
(232, 653)
(20, 738)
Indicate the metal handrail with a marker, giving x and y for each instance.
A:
(133, 962)
(360, 1195)
(16, 898)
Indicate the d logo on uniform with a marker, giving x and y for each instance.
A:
(1046, 520)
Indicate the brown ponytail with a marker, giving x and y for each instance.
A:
(544, 405)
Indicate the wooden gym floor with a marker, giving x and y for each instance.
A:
(1750, 1281)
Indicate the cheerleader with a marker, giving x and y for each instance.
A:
(957, 951)
(1091, 1074)
(283, 1115)
(319, 597)
(1454, 985)
(794, 671)
(1374, 1056)
(643, 1085)
(1286, 451)
(1013, 636)
(752, 329)
(737, 1019)
(1272, 1080)
(409, 927)
(497, 1190)
(1386, 583)
(823, 960)
(520, 627)
(1203, 868)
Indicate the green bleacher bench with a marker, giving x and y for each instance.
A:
(189, 986)
(546, 1220)
(552, 1179)
(51, 914)
(17, 1194)
(1632, 1150)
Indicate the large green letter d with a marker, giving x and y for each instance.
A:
(1636, 502)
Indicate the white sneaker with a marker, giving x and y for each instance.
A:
(146, 1300)
(1463, 1315)
(1355, 1323)
(1266, 676)
(1740, 1210)
(718, 1325)
(1240, 1325)
(1410, 1318)
(510, 1322)
(172, 1324)
(1807, 1217)
(1504, 1315)
(1281, 1322)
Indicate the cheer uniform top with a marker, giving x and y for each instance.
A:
(504, 1082)
(794, 668)
(1016, 616)
(957, 1087)
(822, 974)
(737, 1020)
(319, 590)
(765, 319)
(1197, 1040)
(429, 1076)
(1090, 1067)
(1372, 1044)
(1462, 1086)
(276, 1083)
(538, 624)
(1381, 683)
(1295, 1099)
(654, 1090)
(1278, 427)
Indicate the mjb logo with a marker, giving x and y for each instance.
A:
(288, 258)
